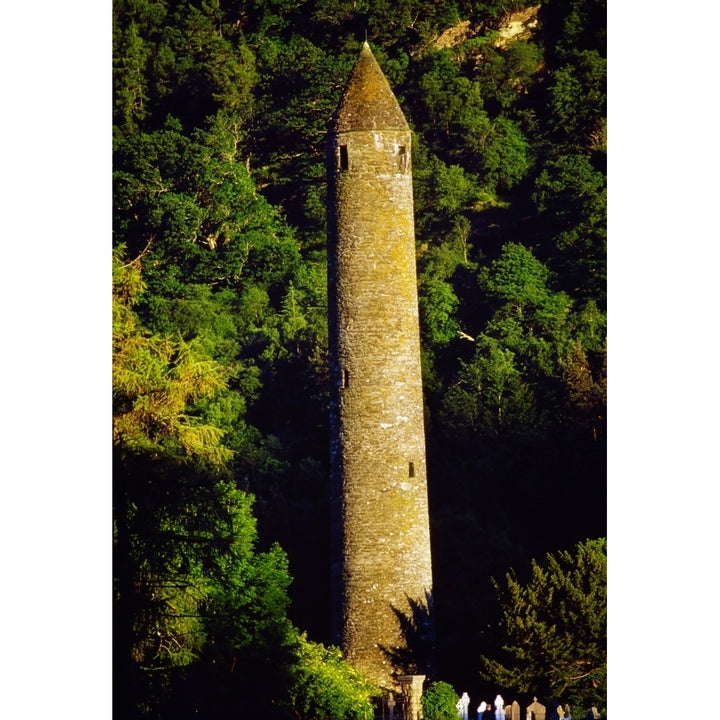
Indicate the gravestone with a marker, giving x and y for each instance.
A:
(499, 708)
(464, 702)
(390, 705)
(535, 711)
(514, 713)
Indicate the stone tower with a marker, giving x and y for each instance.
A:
(381, 535)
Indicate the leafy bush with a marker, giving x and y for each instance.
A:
(326, 686)
(439, 701)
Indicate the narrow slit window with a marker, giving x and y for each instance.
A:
(411, 469)
(402, 158)
(346, 378)
(344, 164)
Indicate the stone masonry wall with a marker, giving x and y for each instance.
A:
(381, 534)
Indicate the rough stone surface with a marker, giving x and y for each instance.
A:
(536, 710)
(368, 102)
(381, 533)
(411, 687)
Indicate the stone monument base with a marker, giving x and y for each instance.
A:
(411, 687)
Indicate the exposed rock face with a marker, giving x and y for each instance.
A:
(517, 26)
(381, 534)
(453, 35)
(513, 26)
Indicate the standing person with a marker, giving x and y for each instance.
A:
(488, 713)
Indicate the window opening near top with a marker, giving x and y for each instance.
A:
(411, 469)
(346, 378)
(402, 158)
(344, 164)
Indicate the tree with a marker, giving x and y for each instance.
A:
(490, 396)
(438, 303)
(554, 628)
(578, 100)
(191, 205)
(498, 152)
(299, 89)
(572, 25)
(130, 58)
(570, 195)
(155, 380)
(183, 58)
(506, 74)
(508, 384)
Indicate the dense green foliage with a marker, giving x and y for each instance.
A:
(194, 600)
(220, 370)
(555, 629)
(200, 614)
(439, 701)
(325, 686)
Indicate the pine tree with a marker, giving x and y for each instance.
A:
(554, 628)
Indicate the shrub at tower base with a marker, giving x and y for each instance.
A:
(554, 628)
(325, 686)
(439, 700)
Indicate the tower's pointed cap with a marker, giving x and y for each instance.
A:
(367, 103)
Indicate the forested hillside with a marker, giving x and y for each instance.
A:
(220, 333)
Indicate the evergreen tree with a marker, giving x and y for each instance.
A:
(554, 628)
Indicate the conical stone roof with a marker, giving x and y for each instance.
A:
(367, 103)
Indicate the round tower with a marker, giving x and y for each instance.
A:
(382, 573)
